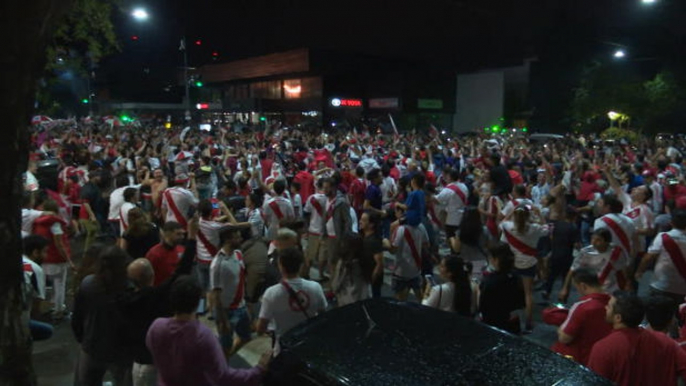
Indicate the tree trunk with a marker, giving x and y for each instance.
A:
(26, 27)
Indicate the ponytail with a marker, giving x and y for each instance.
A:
(521, 218)
(462, 296)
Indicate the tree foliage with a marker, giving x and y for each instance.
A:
(81, 40)
(86, 31)
(649, 103)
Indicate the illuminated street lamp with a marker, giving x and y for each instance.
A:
(619, 54)
(140, 14)
(648, 1)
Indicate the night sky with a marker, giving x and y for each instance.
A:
(469, 34)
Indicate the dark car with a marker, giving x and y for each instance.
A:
(390, 343)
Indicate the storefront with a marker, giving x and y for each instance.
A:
(308, 87)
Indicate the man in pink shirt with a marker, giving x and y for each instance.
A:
(186, 352)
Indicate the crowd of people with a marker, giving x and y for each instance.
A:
(262, 230)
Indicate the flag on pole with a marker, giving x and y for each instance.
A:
(395, 129)
(433, 131)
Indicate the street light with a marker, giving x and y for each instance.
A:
(140, 14)
(619, 54)
(649, 1)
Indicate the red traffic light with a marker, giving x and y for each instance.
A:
(202, 106)
(198, 42)
(134, 38)
(215, 54)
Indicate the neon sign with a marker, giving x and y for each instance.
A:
(336, 102)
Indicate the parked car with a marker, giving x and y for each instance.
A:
(385, 342)
(542, 138)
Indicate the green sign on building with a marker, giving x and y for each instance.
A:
(430, 104)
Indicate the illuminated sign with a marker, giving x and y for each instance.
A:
(384, 103)
(202, 106)
(434, 104)
(292, 88)
(337, 102)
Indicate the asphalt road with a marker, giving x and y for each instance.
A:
(55, 359)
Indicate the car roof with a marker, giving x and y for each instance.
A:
(546, 136)
(385, 342)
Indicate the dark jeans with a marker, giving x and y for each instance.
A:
(558, 268)
(90, 371)
(40, 330)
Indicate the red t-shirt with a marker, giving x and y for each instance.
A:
(586, 323)
(634, 356)
(395, 173)
(306, 181)
(266, 165)
(358, 187)
(164, 261)
(675, 191)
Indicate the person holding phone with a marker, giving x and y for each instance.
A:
(458, 293)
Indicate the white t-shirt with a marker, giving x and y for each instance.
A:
(641, 215)
(657, 202)
(511, 205)
(278, 307)
(297, 203)
(407, 266)
(530, 238)
(538, 192)
(452, 203)
(353, 221)
(225, 274)
(31, 183)
(667, 278)
(28, 216)
(271, 218)
(184, 200)
(124, 216)
(210, 230)
(388, 190)
(56, 229)
(441, 297)
(256, 221)
(316, 206)
(608, 271)
(625, 224)
(330, 228)
(116, 201)
(33, 269)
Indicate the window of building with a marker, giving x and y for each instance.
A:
(292, 89)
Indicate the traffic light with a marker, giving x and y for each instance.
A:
(525, 129)
(202, 106)
(263, 119)
(198, 83)
(125, 118)
(134, 38)
(85, 101)
(198, 42)
(215, 54)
